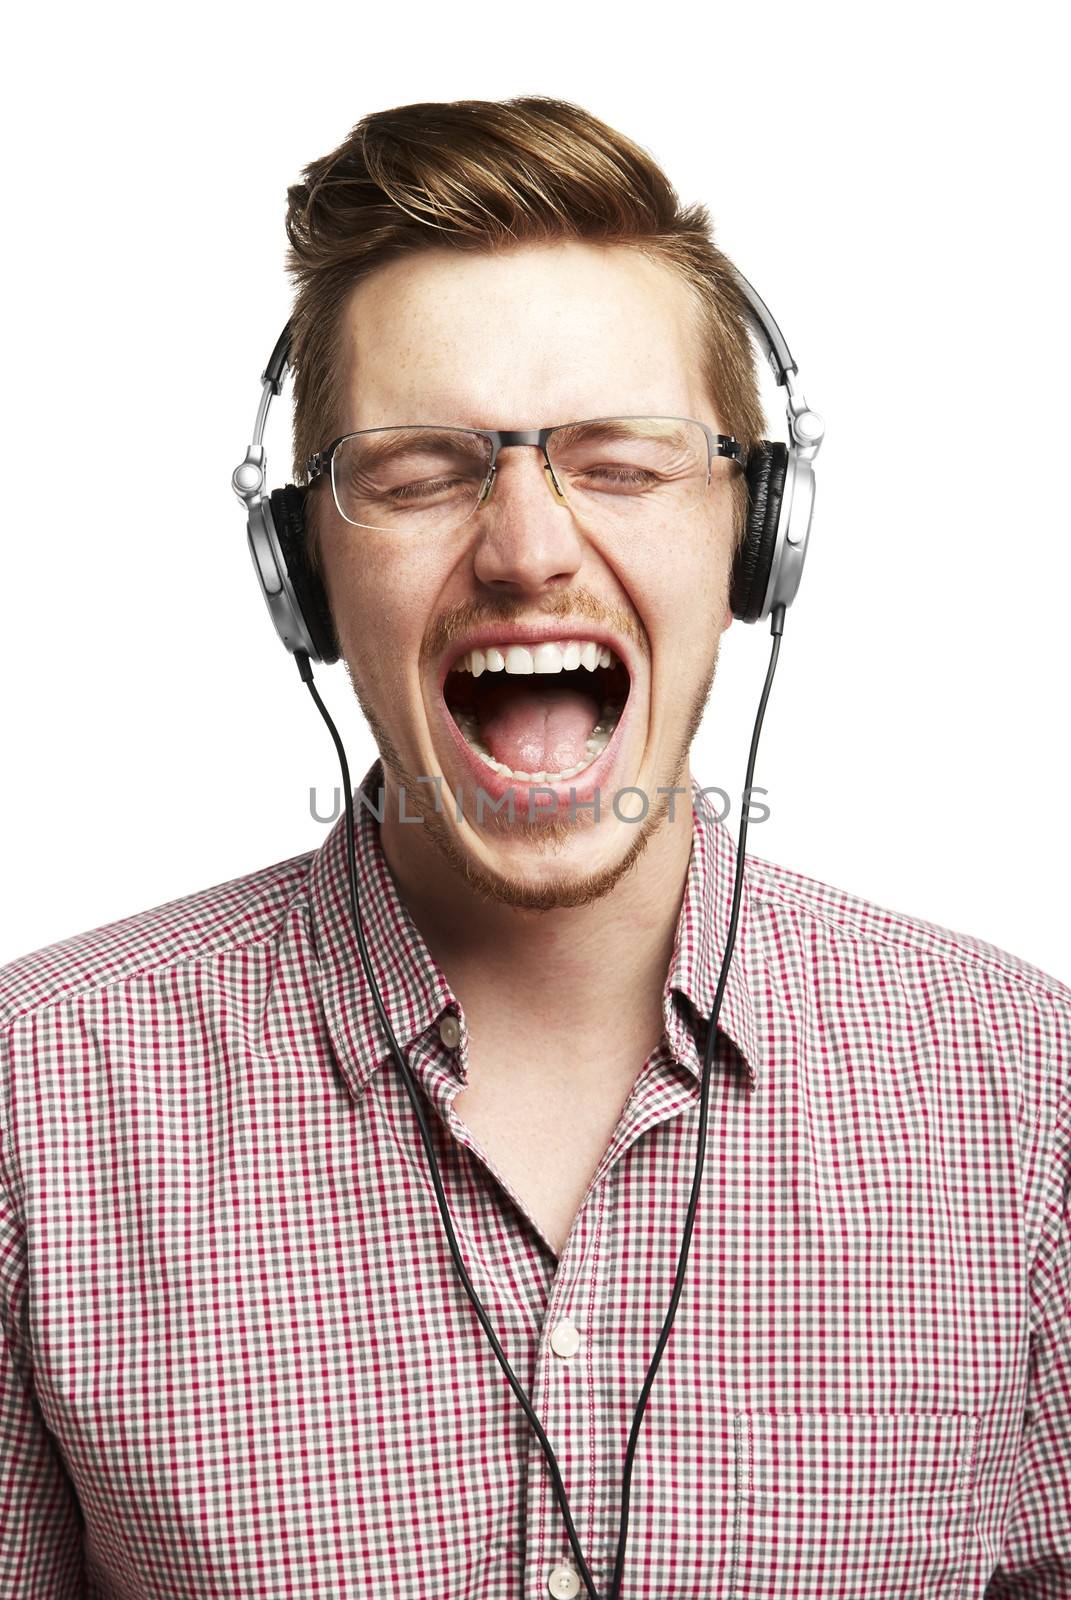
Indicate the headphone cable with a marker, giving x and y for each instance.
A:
(777, 619)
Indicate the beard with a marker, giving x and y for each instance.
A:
(546, 835)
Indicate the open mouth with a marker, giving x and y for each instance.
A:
(540, 713)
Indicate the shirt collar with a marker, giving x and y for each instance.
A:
(415, 991)
(413, 988)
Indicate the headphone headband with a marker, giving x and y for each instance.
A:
(765, 325)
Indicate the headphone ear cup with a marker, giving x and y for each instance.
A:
(287, 508)
(766, 469)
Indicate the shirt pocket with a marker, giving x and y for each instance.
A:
(852, 1503)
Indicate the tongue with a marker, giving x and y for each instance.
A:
(537, 730)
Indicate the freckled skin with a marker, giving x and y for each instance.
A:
(525, 338)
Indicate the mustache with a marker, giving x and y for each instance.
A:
(578, 602)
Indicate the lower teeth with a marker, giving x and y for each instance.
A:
(596, 743)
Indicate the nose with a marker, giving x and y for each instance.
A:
(526, 536)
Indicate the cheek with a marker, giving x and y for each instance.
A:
(679, 582)
(378, 606)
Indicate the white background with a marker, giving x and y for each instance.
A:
(895, 186)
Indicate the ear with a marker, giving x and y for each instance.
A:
(726, 622)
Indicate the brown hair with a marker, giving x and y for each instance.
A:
(490, 175)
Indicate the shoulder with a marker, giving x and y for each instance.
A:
(197, 927)
(947, 973)
(776, 889)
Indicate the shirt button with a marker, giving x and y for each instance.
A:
(450, 1031)
(565, 1342)
(563, 1583)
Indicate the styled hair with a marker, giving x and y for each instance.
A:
(491, 175)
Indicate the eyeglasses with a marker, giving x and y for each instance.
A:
(427, 478)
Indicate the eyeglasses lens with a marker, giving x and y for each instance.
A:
(425, 479)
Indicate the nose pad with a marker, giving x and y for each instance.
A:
(555, 487)
(492, 478)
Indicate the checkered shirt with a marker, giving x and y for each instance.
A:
(236, 1359)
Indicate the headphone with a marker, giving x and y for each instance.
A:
(766, 570)
(766, 576)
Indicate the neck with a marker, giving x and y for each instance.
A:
(572, 977)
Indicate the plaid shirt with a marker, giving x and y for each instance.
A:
(237, 1360)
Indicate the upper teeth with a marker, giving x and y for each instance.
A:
(550, 656)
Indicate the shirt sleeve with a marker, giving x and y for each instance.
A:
(40, 1518)
(1035, 1561)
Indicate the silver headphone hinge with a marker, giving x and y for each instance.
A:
(806, 428)
(248, 477)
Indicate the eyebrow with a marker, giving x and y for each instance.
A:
(381, 444)
(673, 432)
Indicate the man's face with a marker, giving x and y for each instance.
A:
(529, 338)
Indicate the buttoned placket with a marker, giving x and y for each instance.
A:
(570, 1354)
(666, 1087)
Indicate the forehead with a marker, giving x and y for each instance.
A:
(521, 338)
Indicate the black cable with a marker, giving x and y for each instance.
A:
(777, 623)
(411, 1088)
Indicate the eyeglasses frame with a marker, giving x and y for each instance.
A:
(718, 444)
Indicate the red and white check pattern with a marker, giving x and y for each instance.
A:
(237, 1360)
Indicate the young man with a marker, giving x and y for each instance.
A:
(237, 1357)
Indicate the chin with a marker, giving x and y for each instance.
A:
(550, 863)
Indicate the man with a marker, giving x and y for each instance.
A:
(238, 1359)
